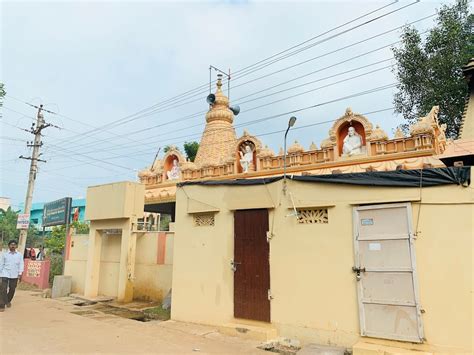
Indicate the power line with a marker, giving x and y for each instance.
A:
(278, 71)
(107, 126)
(248, 123)
(283, 99)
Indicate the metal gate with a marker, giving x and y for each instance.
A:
(385, 270)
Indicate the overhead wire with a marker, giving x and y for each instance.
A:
(248, 123)
(286, 68)
(75, 152)
(270, 103)
(116, 122)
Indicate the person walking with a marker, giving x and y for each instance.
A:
(11, 269)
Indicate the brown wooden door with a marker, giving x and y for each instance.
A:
(252, 266)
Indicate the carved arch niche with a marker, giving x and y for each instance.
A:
(168, 159)
(339, 129)
(254, 144)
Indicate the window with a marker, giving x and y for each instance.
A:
(204, 219)
(313, 215)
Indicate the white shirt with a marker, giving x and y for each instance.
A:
(11, 264)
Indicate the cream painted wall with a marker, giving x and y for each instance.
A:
(152, 281)
(76, 265)
(116, 200)
(314, 289)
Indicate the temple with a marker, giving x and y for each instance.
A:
(223, 155)
(360, 246)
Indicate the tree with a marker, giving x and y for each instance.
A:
(429, 71)
(167, 148)
(2, 93)
(8, 231)
(80, 227)
(56, 240)
(191, 149)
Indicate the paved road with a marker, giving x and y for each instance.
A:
(36, 325)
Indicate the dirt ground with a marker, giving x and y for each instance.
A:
(36, 325)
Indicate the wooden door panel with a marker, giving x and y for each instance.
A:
(251, 258)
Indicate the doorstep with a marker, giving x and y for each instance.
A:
(249, 330)
(363, 348)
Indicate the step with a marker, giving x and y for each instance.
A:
(363, 348)
(261, 332)
(316, 349)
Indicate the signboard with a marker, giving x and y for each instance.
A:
(57, 212)
(23, 221)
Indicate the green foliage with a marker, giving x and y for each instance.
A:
(80, 227)
(191, 148)
(167, 148)
(165, 222)
(157, 313)
(2, 93)
(56, 241)
(8, 229)
(56, 267)
(429, 72)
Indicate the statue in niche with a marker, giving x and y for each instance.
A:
(173, 174)
(246, 158)
(352, 143)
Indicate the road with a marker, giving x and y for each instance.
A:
(44, 326)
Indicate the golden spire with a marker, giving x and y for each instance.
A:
(218, 139)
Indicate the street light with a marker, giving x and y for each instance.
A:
(291, 123)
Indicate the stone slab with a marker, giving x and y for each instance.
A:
(61, 286)
(315, 349)
(246, 331)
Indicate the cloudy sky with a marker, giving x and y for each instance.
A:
(115, 73)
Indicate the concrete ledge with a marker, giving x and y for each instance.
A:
(316, 349)
(362, 348)
(254, 332)
(61, 286)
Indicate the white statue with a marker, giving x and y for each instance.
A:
(173, 174)
(352, 143)
(246, 159)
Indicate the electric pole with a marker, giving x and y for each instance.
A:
(36, 144)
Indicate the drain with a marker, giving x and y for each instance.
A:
(84, 313)
(83, 303)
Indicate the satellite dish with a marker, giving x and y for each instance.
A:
(235, 109)
(211, 98)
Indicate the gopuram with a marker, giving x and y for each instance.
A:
(352, 145)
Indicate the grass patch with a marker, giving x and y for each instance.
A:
(157, 313)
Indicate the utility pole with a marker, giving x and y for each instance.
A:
(36, 144)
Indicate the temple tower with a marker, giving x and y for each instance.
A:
(218, 139)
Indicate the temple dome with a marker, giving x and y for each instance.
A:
(378, 134)
(218, 139)
(266, 152)
(295, 148)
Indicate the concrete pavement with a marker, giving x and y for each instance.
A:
(45, 326)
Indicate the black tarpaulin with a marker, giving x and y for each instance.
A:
(397, 178)
(236, 182)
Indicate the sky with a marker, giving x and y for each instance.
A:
(114, 73)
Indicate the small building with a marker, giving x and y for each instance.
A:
(365, 242)
(36, 213)
(351, 260)
(5, 203)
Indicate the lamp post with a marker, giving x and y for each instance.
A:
(291, 123)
